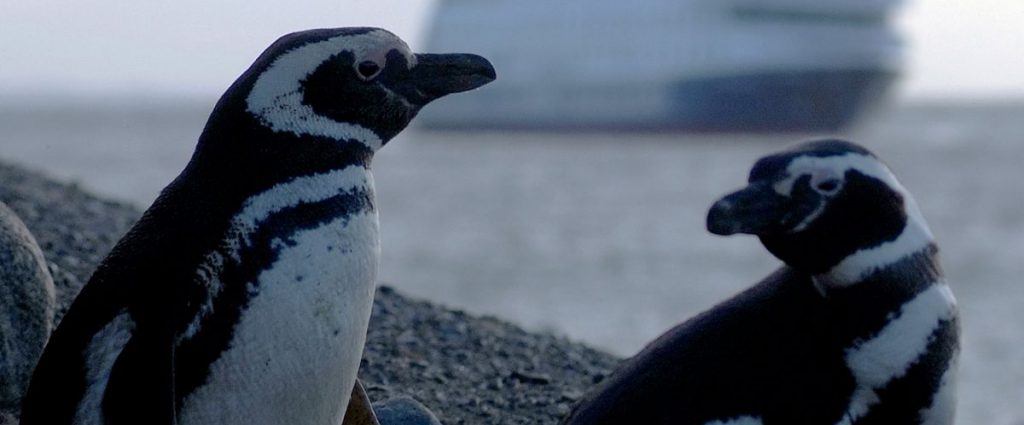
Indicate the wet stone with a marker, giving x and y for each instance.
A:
(27, 297)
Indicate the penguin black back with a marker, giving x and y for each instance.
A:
(857, 328)
(242, 294)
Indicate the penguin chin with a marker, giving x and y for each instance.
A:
(392, 117)
(808, 252)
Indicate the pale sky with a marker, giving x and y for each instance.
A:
(957, 48)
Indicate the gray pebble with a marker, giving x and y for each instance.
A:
(26, 307)
(404, 411)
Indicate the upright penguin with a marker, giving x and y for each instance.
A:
(857, 328)
(243, 293)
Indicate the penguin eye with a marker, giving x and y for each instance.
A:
(368, 69)
(826, 181)
(827, 187)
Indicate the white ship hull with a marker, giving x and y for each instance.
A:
(690, 64)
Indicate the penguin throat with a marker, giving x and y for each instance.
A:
(905, 272)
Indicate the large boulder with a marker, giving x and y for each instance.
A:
(26, 307)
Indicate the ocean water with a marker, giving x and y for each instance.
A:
(601, 236)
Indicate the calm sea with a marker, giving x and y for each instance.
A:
(601, 236)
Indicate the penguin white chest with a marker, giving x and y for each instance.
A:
(298, 343)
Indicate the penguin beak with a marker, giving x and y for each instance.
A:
(437, 75)
(756, 209)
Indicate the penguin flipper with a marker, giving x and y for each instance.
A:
(108, 362)
(64, 380)
(360, 411)
(140, 387)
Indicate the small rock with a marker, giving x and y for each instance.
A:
(571, 395)
(560, 409)
(404, 411)
(27, 298)
(531, 378)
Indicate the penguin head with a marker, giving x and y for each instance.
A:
(817, 204)
(359, 84)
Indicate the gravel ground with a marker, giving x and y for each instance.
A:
(467, 369)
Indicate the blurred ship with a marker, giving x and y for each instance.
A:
(698, 65)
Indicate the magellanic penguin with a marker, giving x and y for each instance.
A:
(857, 328)
(243, 293)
